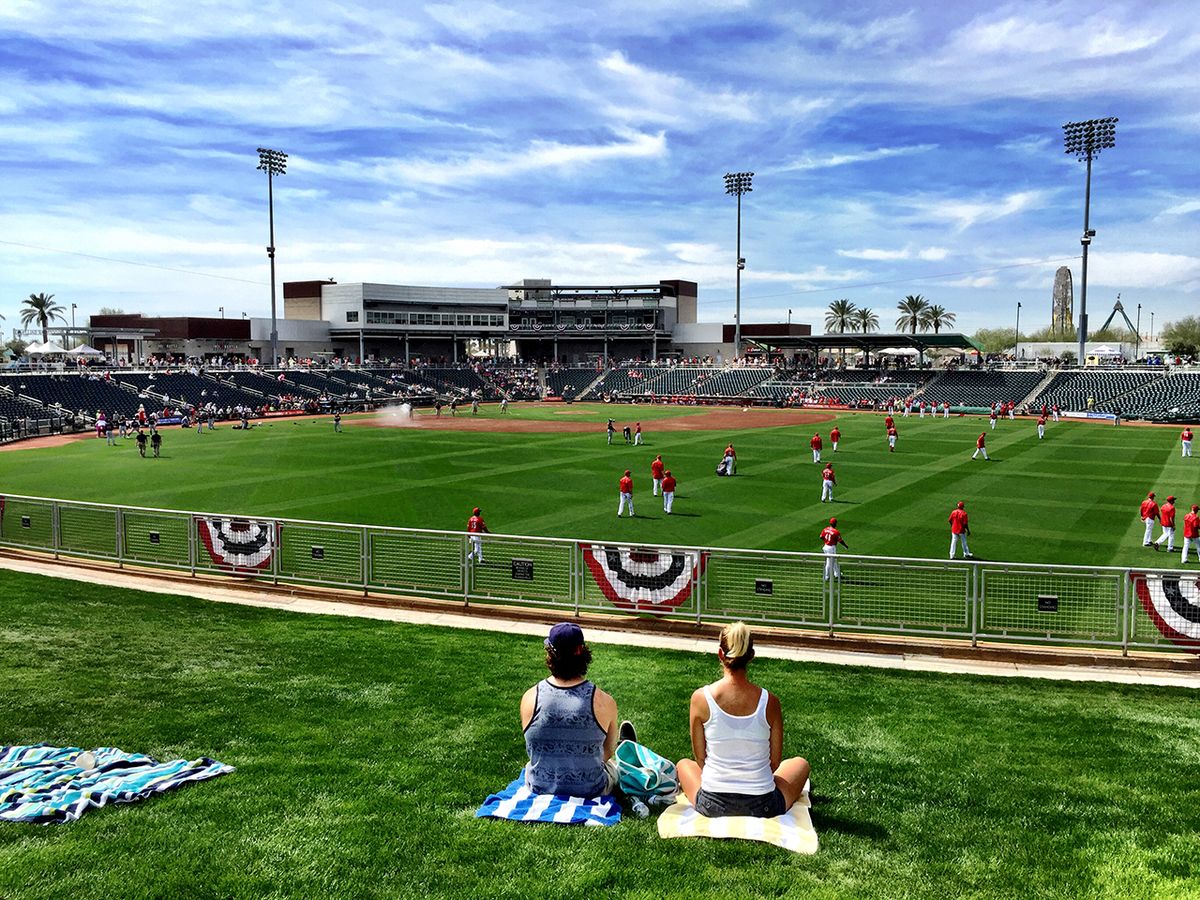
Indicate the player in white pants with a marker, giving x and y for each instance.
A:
(1185, 443)
(979, 445)
(668, 488)
(1191, 533)
(1148, 512)
(960, 529)
(830, 538)
(828, 480)
(626, 495)
(1166, 518)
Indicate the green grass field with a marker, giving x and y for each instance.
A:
(1072, 498)
(362, 749)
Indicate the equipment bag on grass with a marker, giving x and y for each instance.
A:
(643, 773)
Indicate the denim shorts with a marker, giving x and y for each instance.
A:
(715, 804)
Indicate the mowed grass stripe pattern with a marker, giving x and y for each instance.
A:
(1069, 499)
(362, 749)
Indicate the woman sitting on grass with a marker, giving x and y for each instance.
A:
(737, 738)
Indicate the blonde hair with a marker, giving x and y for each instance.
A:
(737, 644)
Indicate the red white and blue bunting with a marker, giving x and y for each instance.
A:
(1173, 603)
(644, 579)
(238, 544)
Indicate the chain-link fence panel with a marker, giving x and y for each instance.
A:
(87, 530)
(326, 554)
(660, 581)
(27, 523)
(1050, 604)
(155, 538)
(765, 588)
(511, 569)
(417, 562)
(1165, 610)
(919, 596)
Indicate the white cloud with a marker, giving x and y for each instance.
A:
(830, 161)
(648, 96)
(929, 254)
(1136, 269)
(965, 213)
(493, 164)
(1182, 209)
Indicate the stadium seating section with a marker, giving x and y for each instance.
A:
(1176, 396)
(567, 383)
(732, 382)
(1090, 389)
(78, 394)
(981, 388)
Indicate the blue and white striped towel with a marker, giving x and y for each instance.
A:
(47, 785)
(519, 804)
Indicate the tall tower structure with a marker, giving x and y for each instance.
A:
(1062, 303)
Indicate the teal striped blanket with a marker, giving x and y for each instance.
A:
(49, 785)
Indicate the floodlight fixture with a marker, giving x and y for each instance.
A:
(273, 162)
(1084, 141)
(738, 183)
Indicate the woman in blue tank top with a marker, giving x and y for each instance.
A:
(570, 725)
(737, 739)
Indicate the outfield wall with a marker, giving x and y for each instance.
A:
(967, 600)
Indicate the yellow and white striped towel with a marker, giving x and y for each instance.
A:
(792, 831)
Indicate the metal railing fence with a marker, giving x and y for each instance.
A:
(967, 600)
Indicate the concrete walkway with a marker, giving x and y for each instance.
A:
(246, 595)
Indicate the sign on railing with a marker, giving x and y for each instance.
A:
(961, 600)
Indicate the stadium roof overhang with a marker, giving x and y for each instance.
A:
(871, 342)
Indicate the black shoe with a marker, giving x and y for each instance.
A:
(627, 733)
(1156, 548)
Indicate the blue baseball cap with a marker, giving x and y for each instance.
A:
(565, 637)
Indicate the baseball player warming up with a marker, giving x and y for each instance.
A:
(1191, 533)
(979, 445)
(830, 538)
(828, 480)
(1149, 514)
(668, 488)
(1166, 518)
(959, 531)
(1041, 426)
(626, 495)
(815, 443)
(1185, 440)
(656, 473)
(834, 437)
(891, 439)
(476, 529)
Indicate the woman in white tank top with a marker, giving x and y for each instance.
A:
(737, 739)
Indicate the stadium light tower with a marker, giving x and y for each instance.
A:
(738, 183)
(1017, 330)
(273, 162)
(1085, 140)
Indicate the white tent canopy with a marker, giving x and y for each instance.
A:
(897, 351)
(85, 350)
(49, 349)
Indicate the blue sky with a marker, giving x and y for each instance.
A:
(897, 149)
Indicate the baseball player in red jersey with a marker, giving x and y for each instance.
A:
(892, 435)
(637, 433)
(656, 473)
(1166, 518)
(731, 455)
(1191, 533)
(1041, 426)
(626, 487)
(959, 530)
(828, 480)
(888, 423)
(1185, 440)
(979, 445)
(1054, 412)
(834, 437)
(668, 488)
(992, 418)
(921, 410)
(945, 410)
(1149, 514)
(476, 529)
(830, 538)
(815, 443)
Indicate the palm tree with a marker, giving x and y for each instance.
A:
(42, 309)
(936, 317)
(913, 310)
(840, 316)
(865, 320)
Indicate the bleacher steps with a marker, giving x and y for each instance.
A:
(1041, 386)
